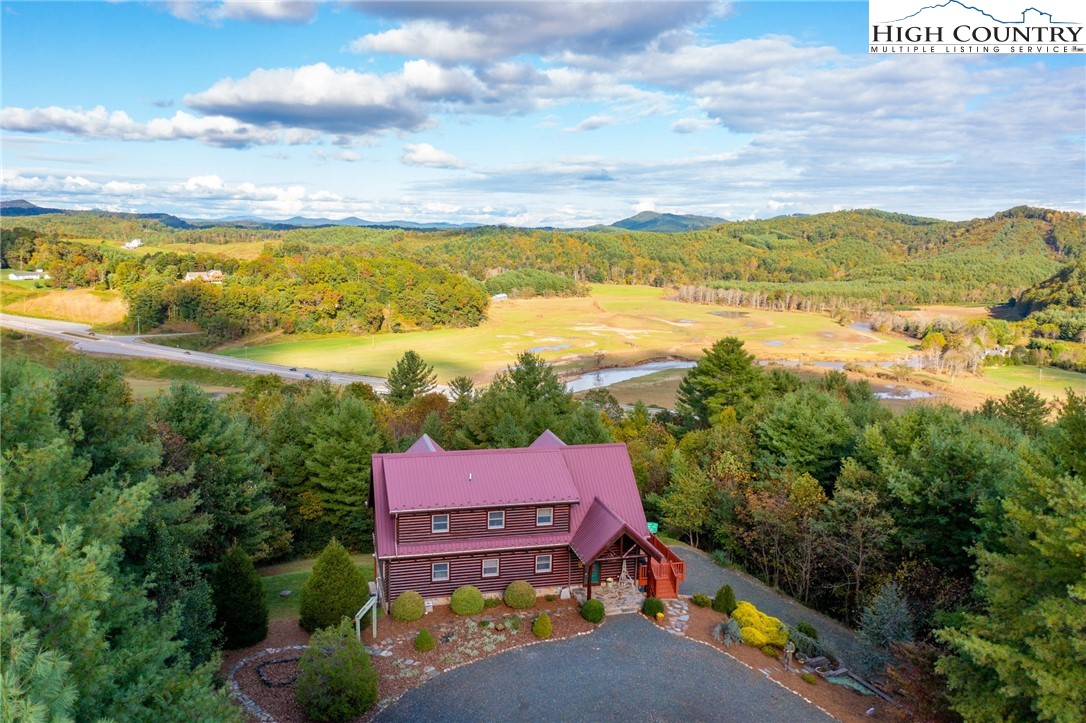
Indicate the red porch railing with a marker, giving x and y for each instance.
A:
(662, 577)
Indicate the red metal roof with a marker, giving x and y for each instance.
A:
(547, 473)
(599, 528)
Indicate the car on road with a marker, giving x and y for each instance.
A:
(294, 369)
(308, 376)
(188, 352)
(250, 369)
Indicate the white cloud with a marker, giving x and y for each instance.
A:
(423, 154)
(693, 125)
(592, 123)
(264, 11)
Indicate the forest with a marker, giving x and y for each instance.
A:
(968, 524)
(351, 279)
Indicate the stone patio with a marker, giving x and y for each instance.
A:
(618, 598)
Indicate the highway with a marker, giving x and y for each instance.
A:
(82, 338)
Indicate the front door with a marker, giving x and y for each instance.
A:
(592, 575)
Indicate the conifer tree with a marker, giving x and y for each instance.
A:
(411, 377)
(241, 606)
(336, 589)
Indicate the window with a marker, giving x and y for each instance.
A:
(439, 571)
(490, 568)
(542, 564)
(495, 520)
(439, 523)
(544, 517)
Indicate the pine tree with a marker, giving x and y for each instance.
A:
(411, 377)
(1025, 409)
(727, 376)
(241, 605)
(334, 590)
(886, 621)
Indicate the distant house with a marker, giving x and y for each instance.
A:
(133, 244)
(559, 516)
(499, 297)
(35, 275)
(213, 276)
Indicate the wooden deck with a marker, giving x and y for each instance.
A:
(662, 577)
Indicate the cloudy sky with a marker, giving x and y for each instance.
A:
(528, 113)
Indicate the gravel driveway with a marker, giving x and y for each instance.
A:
(703, 576)
(629, 670)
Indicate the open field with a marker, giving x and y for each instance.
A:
(291, 576)
(81, 305)
(246, 250)
(624, 324)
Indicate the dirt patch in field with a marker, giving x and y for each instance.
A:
(81, 305)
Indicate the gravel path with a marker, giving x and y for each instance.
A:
(629, 670)
(703, 576)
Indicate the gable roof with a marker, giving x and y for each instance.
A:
(547, 472)
(424, 444)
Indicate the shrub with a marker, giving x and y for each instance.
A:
(720, 558)
(592, 611)
(408, 606)
(542, 626)
(424, 642)
(512, 622)
(520, 595)
(771, 629)
(336, 589)
(753, 637)
(652, 606)
(241, 605)
(702, 601)
(810, 647)
(724, 601)
(492, 602)
(467, 600)
(770, 651)
(729, 633)
(550, 597)
(808, 678)
(807, 629)
(336, 679)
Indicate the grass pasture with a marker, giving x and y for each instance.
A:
(626, 324)
(291, 576)
(245, 250)
(97, 308)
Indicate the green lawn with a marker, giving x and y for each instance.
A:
(1049, 382)
(626, 324)
(291, 576)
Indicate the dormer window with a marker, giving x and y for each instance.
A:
(544, 517)
(495, 520)
(439, 523)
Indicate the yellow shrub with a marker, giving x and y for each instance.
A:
(753, 637)
(770, 630)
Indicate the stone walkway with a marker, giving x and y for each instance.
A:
(676, 616)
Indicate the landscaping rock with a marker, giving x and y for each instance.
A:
(285, 593)
(564, 594)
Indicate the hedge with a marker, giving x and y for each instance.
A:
(408, 606)
(467, 600)
(592, 611)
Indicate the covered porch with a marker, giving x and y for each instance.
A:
(619, 561)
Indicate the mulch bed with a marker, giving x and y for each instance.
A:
(844, 704)
(460, 640)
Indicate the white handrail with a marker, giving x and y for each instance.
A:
(371, 604)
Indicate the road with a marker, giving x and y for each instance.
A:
(83, 339)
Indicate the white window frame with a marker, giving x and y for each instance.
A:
(490, 525)
(433, 524)
(433, 572)
(497, 567)
(550, 516)
(550, 564)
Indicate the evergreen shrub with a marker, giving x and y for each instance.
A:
(651, 606)
(492, 602)
(424, 642)
(336, 589)
(542, 626)
(408, 606)
(336, 679)
(724, 601)
(467, 600)
(592, 611)
(807, 629)
(520, 595)
(702, 601)
(241, 605)
(770, 629)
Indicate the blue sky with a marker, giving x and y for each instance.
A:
(532, 113)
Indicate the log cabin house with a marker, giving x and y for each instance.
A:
(557, 515)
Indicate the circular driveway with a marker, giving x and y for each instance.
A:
(628, 670)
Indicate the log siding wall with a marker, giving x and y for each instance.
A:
(414, 574)
(471, 524)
